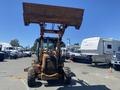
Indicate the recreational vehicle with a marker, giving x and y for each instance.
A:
(100, 49)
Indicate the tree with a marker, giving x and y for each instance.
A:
(15, 42)
(33, 48)
(27, 48)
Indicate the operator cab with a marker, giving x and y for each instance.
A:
(49, 46)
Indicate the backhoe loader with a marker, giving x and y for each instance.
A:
(50, 64)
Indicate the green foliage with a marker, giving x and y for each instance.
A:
(27, 48)
(15, 42)
(33, 48)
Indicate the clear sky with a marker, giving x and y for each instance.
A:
(101, 18)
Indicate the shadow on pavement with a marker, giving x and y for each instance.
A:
(92, 87)
(78, 85)
(82, 86)
(83, 61)
(3, 61)
(101, 65)
(37, 85)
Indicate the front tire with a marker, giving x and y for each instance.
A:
(31, 77)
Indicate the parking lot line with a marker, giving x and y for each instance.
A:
(27, 88)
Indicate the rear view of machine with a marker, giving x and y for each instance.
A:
(49, 64)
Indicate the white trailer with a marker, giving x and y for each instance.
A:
(100, 49)
(4, 46)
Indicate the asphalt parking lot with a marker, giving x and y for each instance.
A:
(86, 77)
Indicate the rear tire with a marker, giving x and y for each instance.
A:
(31, 77)
(95, 64)
(67, 75)
(67, 80)
(116, 67)
(1, 60)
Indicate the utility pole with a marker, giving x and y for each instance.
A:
(68, 43)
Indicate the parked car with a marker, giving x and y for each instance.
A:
(20, 51)
(13, 55)
(20, 54)
(77, 56)
(12, 52)
(27, 53)
(116, 61)
(2, 54)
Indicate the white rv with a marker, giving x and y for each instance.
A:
(4, 46)
(100, 49)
